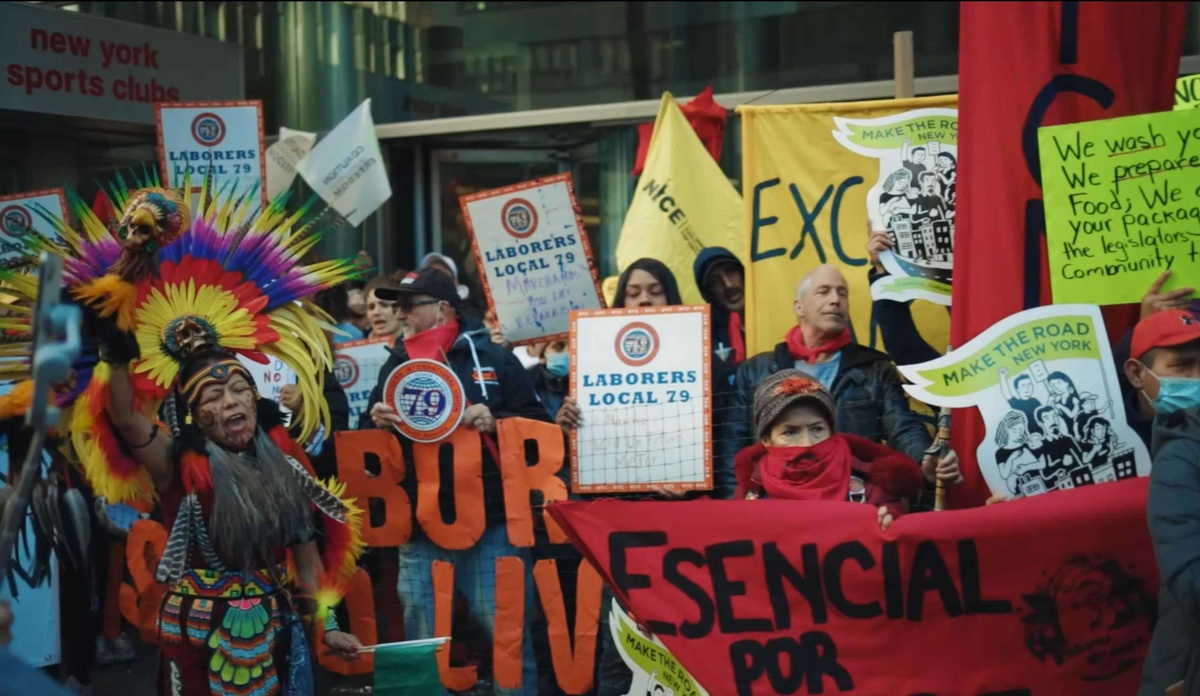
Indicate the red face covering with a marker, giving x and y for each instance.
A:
(810, 354)
(432, 344)
(820, 472)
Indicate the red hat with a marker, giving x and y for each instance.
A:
(1164, 329)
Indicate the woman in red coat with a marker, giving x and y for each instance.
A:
(800, 457)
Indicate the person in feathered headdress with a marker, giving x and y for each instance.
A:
(171, 412)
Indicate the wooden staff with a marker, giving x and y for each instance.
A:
(941, 443)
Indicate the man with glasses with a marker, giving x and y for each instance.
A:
(496, 386)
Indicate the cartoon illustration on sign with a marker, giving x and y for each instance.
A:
(1045, 383)
(656, 672)
(914, 198)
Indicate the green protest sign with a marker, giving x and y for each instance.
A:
(1187, 92)
(1121, 201)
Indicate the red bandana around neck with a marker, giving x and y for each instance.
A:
(736, 341)
(432, 344)
(820, 472)
(801, 351)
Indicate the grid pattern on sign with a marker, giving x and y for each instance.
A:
(645, 444)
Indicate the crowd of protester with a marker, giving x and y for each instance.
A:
(819, 416)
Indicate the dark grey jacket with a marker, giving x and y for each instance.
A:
(870, 401)
(1173, 510)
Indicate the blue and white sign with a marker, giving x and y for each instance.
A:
(23, 215)
(533, 257)
(221, 138)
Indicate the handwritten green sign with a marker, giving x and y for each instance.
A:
(1122, 200)
(1187, 92)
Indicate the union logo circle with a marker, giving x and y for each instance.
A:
(428, 397)
(208, 129)
(519, 218)
(345, 369)
(637, 344)
(16, 220)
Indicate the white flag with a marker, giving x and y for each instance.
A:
(346, 167)
(282, 158)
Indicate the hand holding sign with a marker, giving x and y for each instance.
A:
(1155, 300)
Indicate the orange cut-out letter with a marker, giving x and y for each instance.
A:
(360, 605)
(509, 632)
(453, 678)
(469, 522)
(352, 450)
(140, 602)
(520, 479)
(573, 660)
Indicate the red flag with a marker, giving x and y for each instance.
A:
(780, 597)
(707, 118)
(1022, 66)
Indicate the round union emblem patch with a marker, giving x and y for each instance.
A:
(16, 220)
(637, 344)
(428, 397)
(345, 369)
(519, 218)
(208, 129)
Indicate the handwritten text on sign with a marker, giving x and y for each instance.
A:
(641, 378)
(1121, 205)
(533, 256)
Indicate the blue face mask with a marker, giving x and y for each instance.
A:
(1176, 394)
(559, 364)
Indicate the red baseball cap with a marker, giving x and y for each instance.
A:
(1164, 329)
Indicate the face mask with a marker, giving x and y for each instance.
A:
(1176, 394)
(559, 364)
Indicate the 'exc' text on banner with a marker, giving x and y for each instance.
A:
(644, 399)
(221, 139)
(533, 256)
(1121, 205)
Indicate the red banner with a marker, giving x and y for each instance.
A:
(1045, 596)
(1022, 66)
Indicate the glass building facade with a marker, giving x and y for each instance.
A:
(311, 63)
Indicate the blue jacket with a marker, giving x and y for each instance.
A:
(870, 402)
(1173, 511)
(490, 375)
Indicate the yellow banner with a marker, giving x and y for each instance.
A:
(806, 194)
(682, 204)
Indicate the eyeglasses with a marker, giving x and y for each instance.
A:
(406, 304)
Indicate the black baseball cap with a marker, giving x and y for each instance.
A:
(429, 281)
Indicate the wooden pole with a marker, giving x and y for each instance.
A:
(905, 75)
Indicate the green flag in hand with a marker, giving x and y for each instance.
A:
(407, 670)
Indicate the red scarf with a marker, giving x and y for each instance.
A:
(432, 344)
(800, 350)
(736, 341)
(820, 472)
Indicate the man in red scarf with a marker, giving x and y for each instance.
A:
(870, 401)
(496, 386)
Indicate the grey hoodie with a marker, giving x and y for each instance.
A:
(1173, 511)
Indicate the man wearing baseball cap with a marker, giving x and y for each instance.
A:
(495, 386)
(1165, 370)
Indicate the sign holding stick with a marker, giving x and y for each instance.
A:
(533, 257)
(224, 139)
(643, 398)
(1121, 205)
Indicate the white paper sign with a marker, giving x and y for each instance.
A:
(1045, 383)
(21, 213)
(356, 365)
(225, 138)
(533, 257)
(282, 158)
(270, 378)
(346, 168)
(642, 381)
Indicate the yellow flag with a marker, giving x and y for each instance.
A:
(811, 198)
(683, 203)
